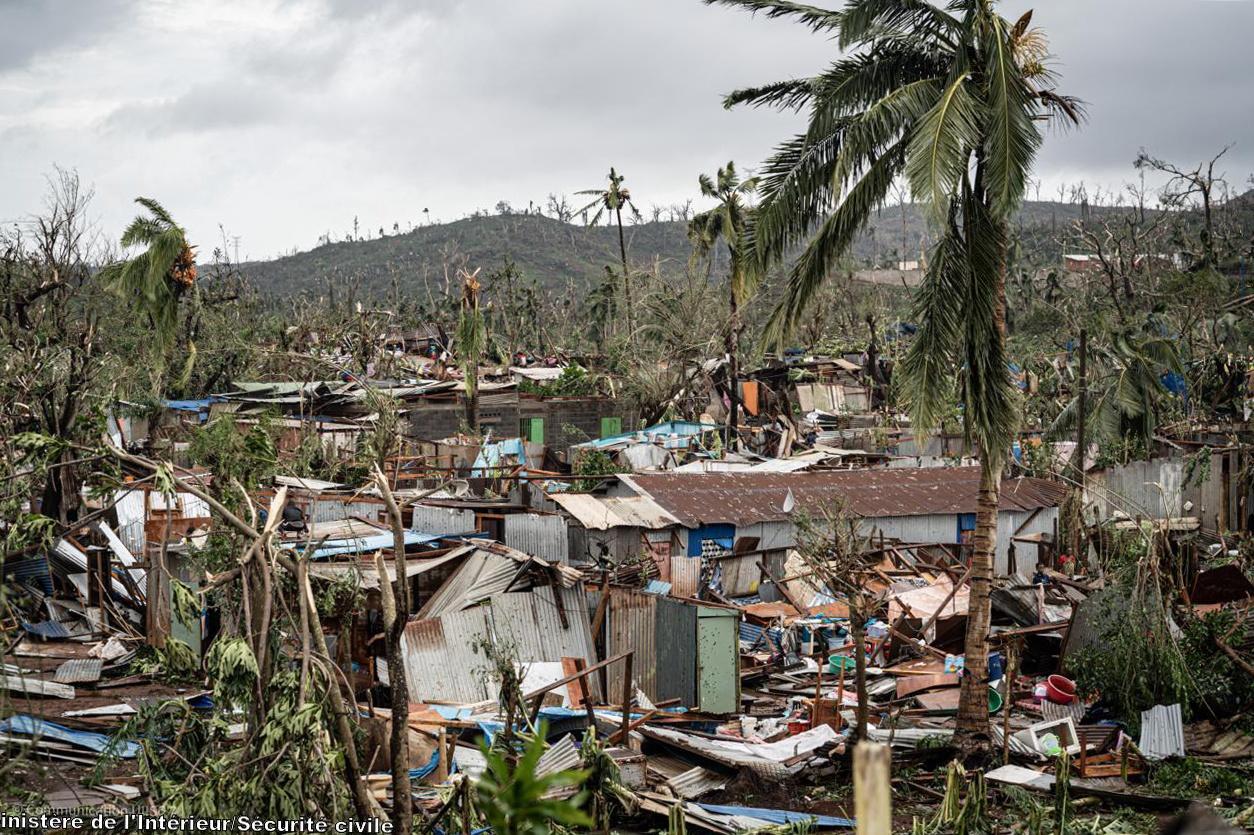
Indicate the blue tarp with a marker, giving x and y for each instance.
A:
(491, 455)
(363, 544)
(33, 727)
(778, 816)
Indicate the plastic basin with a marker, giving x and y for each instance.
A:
(1060, 690)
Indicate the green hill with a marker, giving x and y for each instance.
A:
(555, 253)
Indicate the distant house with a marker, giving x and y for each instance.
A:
(1074, 262)
(745, 519)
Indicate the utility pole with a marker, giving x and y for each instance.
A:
(1081, 442)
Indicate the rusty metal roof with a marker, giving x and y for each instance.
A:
(749, 497)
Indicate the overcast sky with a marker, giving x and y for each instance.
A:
(282, 119)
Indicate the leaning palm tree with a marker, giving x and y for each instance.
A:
(1125, 390)
(157, 277)
(949, 97)
(609, 202)
(730, 222)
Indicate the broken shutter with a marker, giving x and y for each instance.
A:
(611, 426)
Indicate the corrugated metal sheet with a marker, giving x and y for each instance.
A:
(695, 782)
(1162, 732)
(131, 515)
(442, 662)
(79, 669)
(443, 519)
(442, 659)
(744, 498)
(604, 512)
(333, 510)
(482, 576)
(685, 576)
(631, 622)
(676, 652)
(540, 535)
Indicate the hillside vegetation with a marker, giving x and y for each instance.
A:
(553, 252)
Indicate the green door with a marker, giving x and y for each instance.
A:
(718, 660)
(611, 426)
(532, 430)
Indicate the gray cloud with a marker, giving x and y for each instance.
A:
(282, 119)
(33, 28)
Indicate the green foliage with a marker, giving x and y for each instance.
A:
(249, 456)
(232, 669)
(186, 604)
(574, 381)
(1193, 778)
(158, 276)
(1136, 663)
(512, 797)
(964, 808)
(590, 468)
(1221, 687)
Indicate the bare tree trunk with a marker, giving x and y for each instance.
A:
(472, 397)
(972, 729)
(857, 631)
(395, 616)
(733, 371)
(622, 251)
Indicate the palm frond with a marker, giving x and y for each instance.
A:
(866, 20)
(1012, 135)
(156, 209)
(818, 19)
(942, 143)
(926, 373)
(792, 94)
(831, 241)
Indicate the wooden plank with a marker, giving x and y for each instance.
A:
(907, 686)
(872, 788)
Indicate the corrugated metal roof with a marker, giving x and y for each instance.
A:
(604, 512)
(746, 498)
(1162, 732)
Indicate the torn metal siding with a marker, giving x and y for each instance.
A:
(430, 519)
(540, 535)
(442, 659)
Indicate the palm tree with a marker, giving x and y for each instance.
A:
(472, 341)
(610, 202)
(157, 277)
(950, 97)
(1124, 388)
(729, 221)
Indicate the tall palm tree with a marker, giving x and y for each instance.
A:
(949, 96)
(730, 222)
(157, 277)
(609, 202)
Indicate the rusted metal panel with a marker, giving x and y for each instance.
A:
(676, 655)
(540, 535)
(685, 575)
(747, 498)
(442, 662)
(631, 621)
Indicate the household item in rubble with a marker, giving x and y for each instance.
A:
(955, 663)
(1039, 693)
(1060, 690)
(836, 661)
(1050, 746)
(994, 700)
(996, 668)
(798, 726)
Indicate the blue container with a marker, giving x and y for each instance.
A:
(996, 667)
